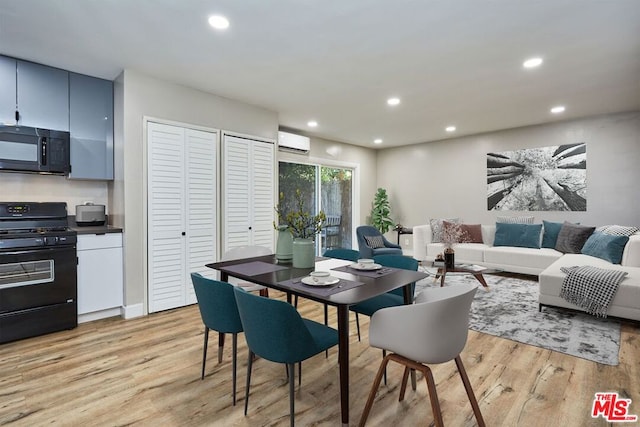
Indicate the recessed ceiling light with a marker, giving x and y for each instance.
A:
(218, 22)
(450, 129)
(393, 101)
(377, 141)
(557, 110)
(312, 123)
(532, 62)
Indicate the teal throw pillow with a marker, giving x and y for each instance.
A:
(605, 246)
(520, 235)
(550, 234)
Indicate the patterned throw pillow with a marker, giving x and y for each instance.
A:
(515, 219)
(617, 230)
(374, 242)
(437, 228)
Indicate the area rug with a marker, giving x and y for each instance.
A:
(510, 310)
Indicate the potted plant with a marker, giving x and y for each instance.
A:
(303, 226)
(380, 211)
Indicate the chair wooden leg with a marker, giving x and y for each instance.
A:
(384, 354)
(264, 292)
(291, 369)
(467, 387)
(204, 351)
(326, 322)
(433, 397)
(234, 364)
(358, 326)
(220, 346)
(246, 390)
(403, 386)
(374, 389)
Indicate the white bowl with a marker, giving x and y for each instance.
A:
(365, 261)
(320, 276)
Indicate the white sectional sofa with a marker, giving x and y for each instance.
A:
(542, 262)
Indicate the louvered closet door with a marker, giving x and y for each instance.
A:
(249, 188)
(201, 205)
(263, 166)
(237, 200)
(166, 217)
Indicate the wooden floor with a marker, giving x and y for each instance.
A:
(146, 372)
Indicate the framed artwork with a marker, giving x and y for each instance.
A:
(550, 178)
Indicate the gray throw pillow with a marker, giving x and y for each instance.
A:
(374, 242)
(572, 237)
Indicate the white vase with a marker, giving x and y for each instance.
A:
(303, 253)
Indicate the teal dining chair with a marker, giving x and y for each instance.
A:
(219, 312)
(275, 331)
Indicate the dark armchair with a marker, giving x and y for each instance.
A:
(371, 243)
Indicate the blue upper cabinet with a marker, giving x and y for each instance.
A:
(7, 90)
(91, 127)
(43, 96)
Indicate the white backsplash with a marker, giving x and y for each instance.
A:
(19, 187)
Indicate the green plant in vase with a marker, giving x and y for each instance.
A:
(303, 226)
(380, 211)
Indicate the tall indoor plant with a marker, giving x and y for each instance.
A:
(303, 226)
(380, 211)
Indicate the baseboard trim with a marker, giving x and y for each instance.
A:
(134, 310)
(102, 314)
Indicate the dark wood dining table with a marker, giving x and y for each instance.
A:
(359, 286)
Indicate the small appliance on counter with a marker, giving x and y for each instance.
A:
(89, 214)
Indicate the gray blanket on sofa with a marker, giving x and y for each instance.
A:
(590, 288)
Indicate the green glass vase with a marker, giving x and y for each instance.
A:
(303, 253)
(284, 245)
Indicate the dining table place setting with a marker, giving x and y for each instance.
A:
(366, 267)
(320, 283)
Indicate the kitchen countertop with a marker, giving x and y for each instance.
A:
(93, 229)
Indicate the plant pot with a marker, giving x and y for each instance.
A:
(284, 245)
(449, 258)
(303, 253)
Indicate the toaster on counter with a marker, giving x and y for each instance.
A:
(90, 215)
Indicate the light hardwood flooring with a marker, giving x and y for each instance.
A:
(146, 372)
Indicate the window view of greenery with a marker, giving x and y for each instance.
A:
(335, 186)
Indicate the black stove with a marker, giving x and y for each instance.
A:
(38, 267)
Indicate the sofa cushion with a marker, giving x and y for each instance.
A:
(618, 230)
(519, 235)
(515, 219)
(534, 259)
(627, 296)
(605, 246)
(374, 242)
(473, 232)
(550, 234)
(437, 228)
(572, 237)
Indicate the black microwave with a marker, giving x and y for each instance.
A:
(27, 149)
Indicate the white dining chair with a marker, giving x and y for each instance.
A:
(432, 330)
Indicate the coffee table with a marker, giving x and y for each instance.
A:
(477, 271)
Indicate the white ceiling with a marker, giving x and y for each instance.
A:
(452, 62)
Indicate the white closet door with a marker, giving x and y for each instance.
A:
(237, 201)
(201, 205)
(166, 217)
(263, 201)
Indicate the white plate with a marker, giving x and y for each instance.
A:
(365, 267)
(309, 281)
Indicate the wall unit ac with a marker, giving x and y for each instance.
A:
(293, 143)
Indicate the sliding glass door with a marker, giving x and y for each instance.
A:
(325, 188)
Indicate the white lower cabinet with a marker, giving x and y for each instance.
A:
(100, 276)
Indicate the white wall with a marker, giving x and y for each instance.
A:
(20, 187)
(138, 96)
(448, 178)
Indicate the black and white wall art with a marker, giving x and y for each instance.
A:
(538, 179)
